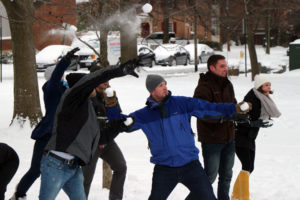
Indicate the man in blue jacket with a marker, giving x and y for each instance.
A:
(166, 122)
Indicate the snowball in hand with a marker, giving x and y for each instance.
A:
(109, 92)
(128, 121)
(147, 8)
(244, 106)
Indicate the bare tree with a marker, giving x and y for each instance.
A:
(26, 95)
(128, 34)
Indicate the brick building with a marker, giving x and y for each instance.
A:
(49, 26)
(181, 21)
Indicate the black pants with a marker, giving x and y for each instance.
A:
(247, 157)
(9, 163)
(192, 175)
(114, 157)
(34, 171)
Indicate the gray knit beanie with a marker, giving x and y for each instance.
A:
(152, 81)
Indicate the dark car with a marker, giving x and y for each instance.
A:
(147, 55)
(171, 54)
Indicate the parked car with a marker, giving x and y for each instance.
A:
(203, 52)
(147, 55)
(50, 55)
(86, 56)
(171, 54)
(155, 39)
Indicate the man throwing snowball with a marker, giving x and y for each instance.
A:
(165, 121)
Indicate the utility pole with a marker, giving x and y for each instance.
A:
(245, 38)
(195, 36)
(268, 29)
(1, 49)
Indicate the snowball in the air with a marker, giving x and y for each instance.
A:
(73, 28)
(147, 8)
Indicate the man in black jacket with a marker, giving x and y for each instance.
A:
(110, 153)
(75, 134)
(217, 139)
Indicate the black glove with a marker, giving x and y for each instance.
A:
(238, 117)
(260, 123)
(119, 125)
(129, 67)
(71, 53)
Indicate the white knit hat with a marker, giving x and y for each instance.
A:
(260, 79)
(48, 72)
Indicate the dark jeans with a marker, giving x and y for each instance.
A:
(191, 175)
(247, 157)
(9, 162)
(219, 158)
(114, 157)
(34, 171)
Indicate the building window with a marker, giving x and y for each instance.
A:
(171, 27)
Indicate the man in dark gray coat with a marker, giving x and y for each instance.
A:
(75, 134)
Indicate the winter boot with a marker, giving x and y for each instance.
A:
(244, 185)
(236, 189)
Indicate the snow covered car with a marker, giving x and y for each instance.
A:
(50, 55)
(203, 52)
(147, 55)
(155, 39)
(171, 54)
(86, 56)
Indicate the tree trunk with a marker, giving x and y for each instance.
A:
(252, 51)
(278, 37)
(228, 41)
(166, 21)
(128, 37)
(26, 93)
(106, 175)
(103, 47)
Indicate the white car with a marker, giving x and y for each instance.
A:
(50, 55)
(203, 52)
(86, 56)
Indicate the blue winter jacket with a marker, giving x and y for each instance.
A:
(167, 126)
(53, 89)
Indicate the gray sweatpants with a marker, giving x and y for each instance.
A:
(114, 157)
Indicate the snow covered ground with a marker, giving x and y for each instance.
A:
(277, 165)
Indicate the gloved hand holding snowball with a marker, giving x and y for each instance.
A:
(110, 97)
(243, 107)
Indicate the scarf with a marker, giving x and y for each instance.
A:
(268, 107)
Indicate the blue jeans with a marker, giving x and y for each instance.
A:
(34, 171)
(219, 158)
(191, 175)
(57, 175)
